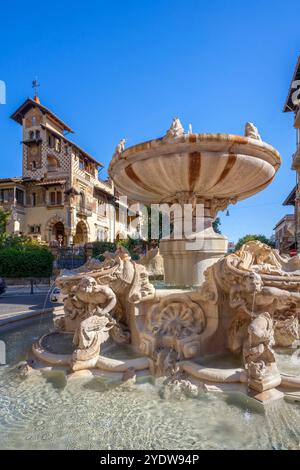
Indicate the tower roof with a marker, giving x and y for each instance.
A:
(289, 105)
(30, 103)
(290, 200)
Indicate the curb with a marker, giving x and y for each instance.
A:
(14, 318)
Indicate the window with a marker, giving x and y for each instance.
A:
(20, 196)
(82, 199)
(81, 164)
(37, 135)
(52, 163)
(55, 198)
(6, 195)
(52, 198)
(31, 135)
(33, 121)
(33, 199)
(34, 229)
(33, 164)
(57, 145)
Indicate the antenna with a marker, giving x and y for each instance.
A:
(35, 86)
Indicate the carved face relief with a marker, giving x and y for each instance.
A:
(87, 284)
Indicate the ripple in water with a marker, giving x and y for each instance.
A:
(46, 413)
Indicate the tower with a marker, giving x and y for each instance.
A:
(44, 148)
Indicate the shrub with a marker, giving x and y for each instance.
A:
(101, 247)
(135, 247)
(26, 261)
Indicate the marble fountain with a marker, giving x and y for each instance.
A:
(243, 307)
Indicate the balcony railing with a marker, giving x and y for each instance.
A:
(32, 140)
(84, 210)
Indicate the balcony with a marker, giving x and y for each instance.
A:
(84, 211)
(296, 160)
(32, 140)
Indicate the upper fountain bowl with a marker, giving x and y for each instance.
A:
(206, 165)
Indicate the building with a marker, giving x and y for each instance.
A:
(285, 234)
(60, 195)
(292, 105)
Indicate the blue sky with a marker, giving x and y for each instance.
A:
(115, 69)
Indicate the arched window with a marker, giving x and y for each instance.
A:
(52, 163)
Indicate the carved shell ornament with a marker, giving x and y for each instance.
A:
(177, 318)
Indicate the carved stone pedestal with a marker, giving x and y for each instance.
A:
(268, 396)
(267, 383)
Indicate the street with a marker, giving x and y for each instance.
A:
(19, 299)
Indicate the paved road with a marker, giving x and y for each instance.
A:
(15, 302)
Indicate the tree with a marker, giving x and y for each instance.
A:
(216, 225)
(4, 217)
(249, 238)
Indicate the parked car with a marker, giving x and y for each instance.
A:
(55, 295)
(2, 286)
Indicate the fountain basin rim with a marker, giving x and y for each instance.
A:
(204, 141)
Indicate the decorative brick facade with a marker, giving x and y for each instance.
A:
(63, 197)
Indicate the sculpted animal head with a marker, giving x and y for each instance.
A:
(253, 283)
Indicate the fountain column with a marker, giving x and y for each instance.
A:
(186, 258)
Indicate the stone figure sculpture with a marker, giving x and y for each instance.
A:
(259, 305)
(251, 131)
(96, 302)
(176, 129)
(248, 304)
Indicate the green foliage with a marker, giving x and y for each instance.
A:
(15, 241)
(27, 260)
(248, 238)
(147, 221)
(135, 247)
(100, 247)
(216, 225)
(4, 216)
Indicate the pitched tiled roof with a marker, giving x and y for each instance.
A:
(30, 103)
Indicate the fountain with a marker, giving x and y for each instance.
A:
(213, 170)
(246, 303)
